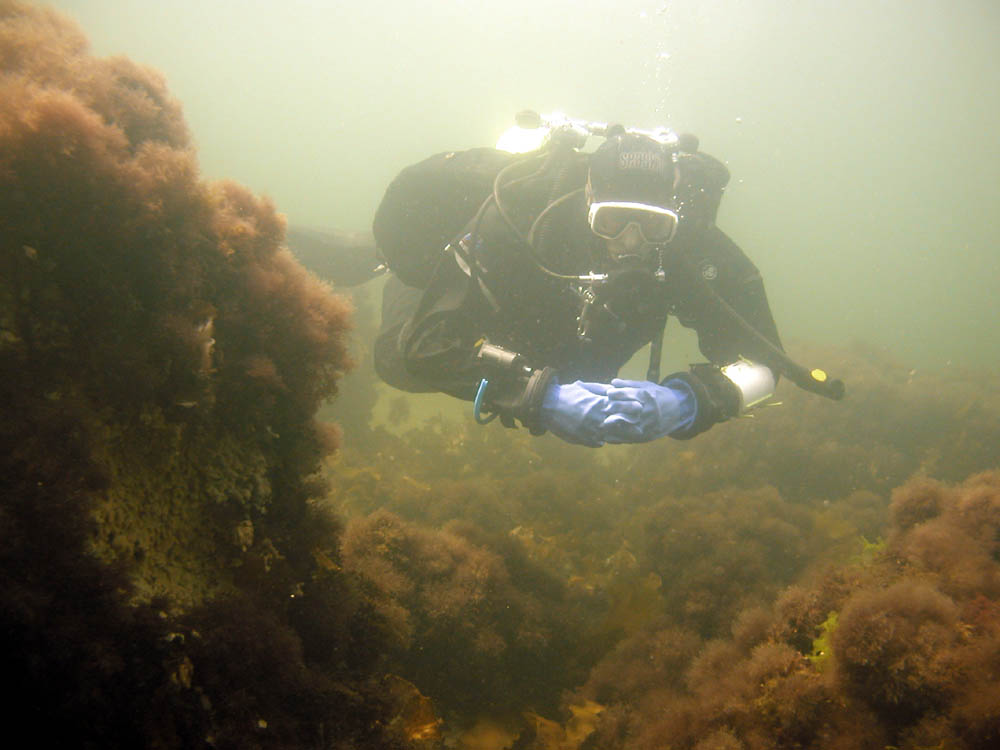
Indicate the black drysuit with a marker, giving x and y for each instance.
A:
(429, 337)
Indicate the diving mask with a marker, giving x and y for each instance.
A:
(611, 219)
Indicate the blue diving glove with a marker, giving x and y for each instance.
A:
(663, 409)
(578, 412)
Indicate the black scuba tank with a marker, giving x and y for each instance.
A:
(428, 204)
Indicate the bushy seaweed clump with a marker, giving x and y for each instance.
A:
(506, 482)
(902, 650)
(165, 579)
(473, 623)
(720, 552)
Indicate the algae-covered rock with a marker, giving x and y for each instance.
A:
(165, 579)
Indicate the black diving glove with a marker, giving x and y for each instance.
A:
(718, 398)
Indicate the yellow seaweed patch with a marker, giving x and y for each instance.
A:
(821, 650)
(415, 718)
(487, 734)
(550, 735)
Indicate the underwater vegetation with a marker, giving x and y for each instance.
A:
(190, 557)
(473, 624)
(719, 601)
(163, 564)
(901, 649)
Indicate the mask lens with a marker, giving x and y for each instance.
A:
(610, 220)
(657, 227)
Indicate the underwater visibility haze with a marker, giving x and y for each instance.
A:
(220, 531)
(859, 134)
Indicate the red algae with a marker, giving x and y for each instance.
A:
(162, 357)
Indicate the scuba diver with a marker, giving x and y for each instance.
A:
(524, 281)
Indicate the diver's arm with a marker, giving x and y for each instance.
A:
(429, 336)
(472, 297)
(399, 302)
(723, 280)
(440, 347)
(719, 284)
(685, 404)
(433, 341)
(736, 321)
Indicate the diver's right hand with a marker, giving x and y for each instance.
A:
(664, 410)
(577, 412)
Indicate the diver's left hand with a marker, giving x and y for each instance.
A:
(663, 409)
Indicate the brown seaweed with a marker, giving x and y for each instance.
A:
(162, 358)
